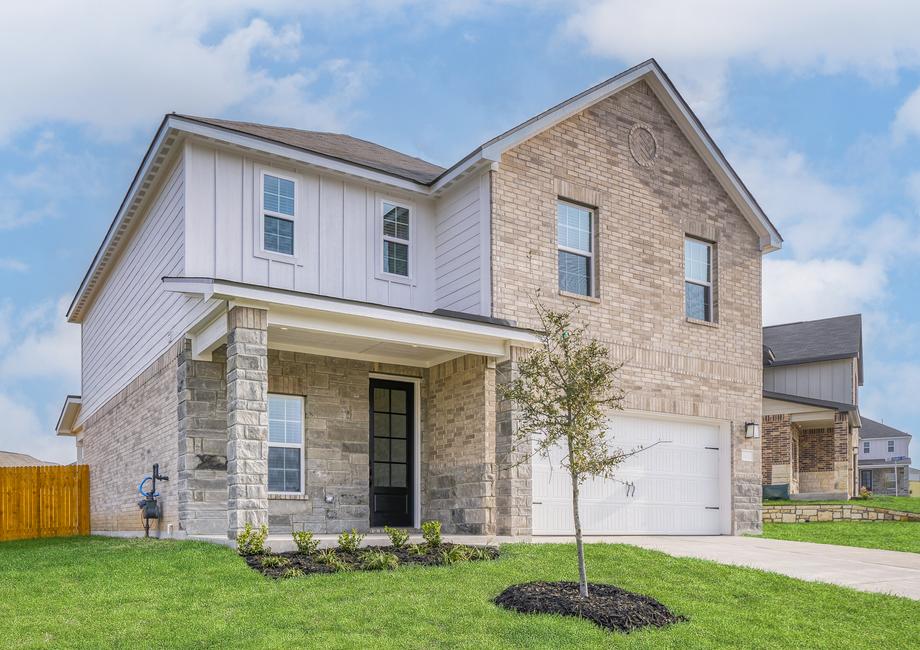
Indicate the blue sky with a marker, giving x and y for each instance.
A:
(817, 105)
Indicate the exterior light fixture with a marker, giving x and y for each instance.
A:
(751, 430)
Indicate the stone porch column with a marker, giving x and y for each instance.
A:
(513, 495)
(776, 449)
(247, 418)
(843, 445)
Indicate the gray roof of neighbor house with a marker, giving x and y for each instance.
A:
(815, 340)
(871, 430)
(15, 459)
(336, 145)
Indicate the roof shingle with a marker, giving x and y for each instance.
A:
(816, 340)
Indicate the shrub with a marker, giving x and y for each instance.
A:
(378, 561)
(305, 542)
(252, 542)
(478, 553)
(864, 493)
(417, 549)
(274, 561)
(331, 559)
(350, 542)
(398, 537)
(453, 554)
(431, 531)
(292, 572)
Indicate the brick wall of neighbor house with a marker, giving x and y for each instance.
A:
(644, 213)
(124, 438)
(824, 458)
(202, 467)
(458, 453)
(776, 447)
(335, 392)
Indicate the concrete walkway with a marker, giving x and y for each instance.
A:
(865, 569)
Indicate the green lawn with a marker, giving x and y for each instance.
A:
(890, 535)
(907, 504)
(103, 593)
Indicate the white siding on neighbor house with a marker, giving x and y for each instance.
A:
(878, 448)
(827, 380)
(462, 251)
(133, 320)
(337, 231)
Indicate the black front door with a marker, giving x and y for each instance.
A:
(392, 432)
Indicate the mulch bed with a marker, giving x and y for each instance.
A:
(308, 563)
(608, 606)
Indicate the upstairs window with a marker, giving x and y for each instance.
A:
(277, 214)
(698, 279)
(285, 444)
(575, 236)
(891, 446)
(865, 447)
(396, 239)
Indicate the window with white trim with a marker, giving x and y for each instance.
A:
(698, 279)
(891, 446)
(278, 214)
(575, 239)
(396, 239)
(285, 444)
(866, 447)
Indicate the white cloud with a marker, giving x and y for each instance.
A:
(699, 41)
(24, 431)
(116, 69)
(48, 347)
(907, 119)
(12, 264)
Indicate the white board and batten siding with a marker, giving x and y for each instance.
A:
(679, 486)
(133, 321)
(338, 245)
(462, 248)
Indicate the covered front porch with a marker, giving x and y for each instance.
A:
(889, 478)
(809, 449)
(305, 412)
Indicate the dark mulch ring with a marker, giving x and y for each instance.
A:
(295, 564)
(608, 606)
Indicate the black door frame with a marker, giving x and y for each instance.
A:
(411, 433)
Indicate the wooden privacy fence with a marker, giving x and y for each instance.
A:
(50, 501)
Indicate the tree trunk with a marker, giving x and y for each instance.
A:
(582, 573)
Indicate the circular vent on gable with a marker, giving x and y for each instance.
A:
(642, 145)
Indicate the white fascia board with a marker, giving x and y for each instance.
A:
(248, 294)
(210, 337)
(69, 414)
(293, 153)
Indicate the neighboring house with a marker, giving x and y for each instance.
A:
(914, 482)
(308, 330)
(812, 372)
(884, 461)
(14, 459)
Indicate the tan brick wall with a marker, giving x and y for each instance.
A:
(124, 438)
(643, 215)
(458, 453)
(776, 445)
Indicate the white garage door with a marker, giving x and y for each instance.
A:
(672, 488)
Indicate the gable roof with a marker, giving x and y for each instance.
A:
(810, 341)
(15, 459)
(336, 145)
(370, 161)
(872, 430)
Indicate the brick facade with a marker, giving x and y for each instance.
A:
(776, 447)
(643, 215)
(124, 438)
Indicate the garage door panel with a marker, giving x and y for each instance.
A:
(673, 486)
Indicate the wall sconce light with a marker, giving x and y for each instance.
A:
(751, 430)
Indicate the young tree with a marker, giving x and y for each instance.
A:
(565, 391)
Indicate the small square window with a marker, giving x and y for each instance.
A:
(279, 235)
(395, 258)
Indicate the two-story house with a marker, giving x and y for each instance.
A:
(308, 330)
(812, 372)
(884, 459)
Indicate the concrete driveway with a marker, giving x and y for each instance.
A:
(865, 569)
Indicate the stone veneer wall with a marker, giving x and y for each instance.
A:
(643, 213)
(458, 451)
(202, 480)
(124, 438)
(336, 405)
(809, 512)
(513, 486)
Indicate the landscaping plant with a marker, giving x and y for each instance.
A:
(350, 542)
(565, 390)
(378, 561)
(431, 532)
(292, 572)
(274, 561)
(417, 549)
(304, 541)
(454, 554)
(252, 542)
(398, 537)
